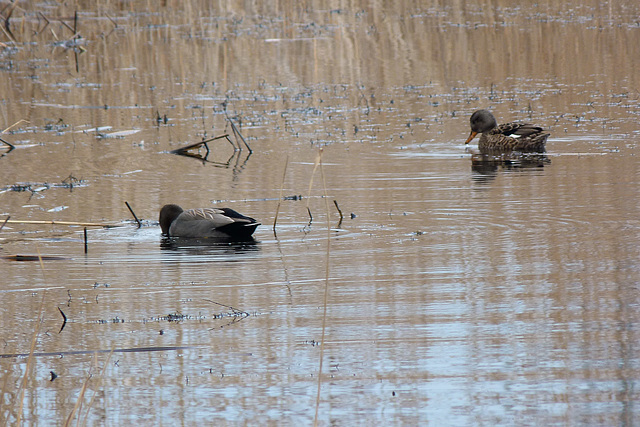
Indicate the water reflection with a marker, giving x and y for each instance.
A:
(195, 151)
(209, 246)
(446, 305)
(487, 166)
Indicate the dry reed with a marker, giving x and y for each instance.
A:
(34, 339)
(93, 396)
(326, 286)
(284, 175)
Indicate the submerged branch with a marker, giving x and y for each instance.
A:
(198, 145)
(50, 222)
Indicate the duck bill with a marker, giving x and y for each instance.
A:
(471, 136)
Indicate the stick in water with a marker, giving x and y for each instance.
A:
(5, 222)
(339, 211)
(134, 214)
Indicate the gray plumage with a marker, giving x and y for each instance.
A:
(205, 222)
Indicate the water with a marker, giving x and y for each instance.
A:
(456, 294)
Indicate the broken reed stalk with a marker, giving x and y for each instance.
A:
(78, 406)
(132, 213)
(23, 384)
(284, 175)
(200, 144)
(15, 124)
(237, 134)
(326, 289)
(40, 259)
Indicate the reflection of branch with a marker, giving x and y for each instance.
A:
(7, 30)
(236, 312)
(197, 145)
(236, 315)
(11, 146)
(187, 152)
(64, 320)
(237, 134)
(235, 130)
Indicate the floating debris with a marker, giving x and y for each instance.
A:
(69, 182)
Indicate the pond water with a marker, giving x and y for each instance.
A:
(450, 292)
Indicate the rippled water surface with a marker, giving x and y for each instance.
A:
(452, 291)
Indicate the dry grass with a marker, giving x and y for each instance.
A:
(27, 369)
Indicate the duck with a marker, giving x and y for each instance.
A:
(496, 138)
(205, 222)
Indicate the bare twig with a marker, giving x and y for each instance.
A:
(15, 124)
(340, 212)
(46, 20)
(338, 208)
(310, 216)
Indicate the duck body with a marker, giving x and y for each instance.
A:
(498, 138)
(205, 222)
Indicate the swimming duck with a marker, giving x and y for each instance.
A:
(205, 222)
(496, 137)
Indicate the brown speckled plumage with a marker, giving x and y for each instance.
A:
(497, 138)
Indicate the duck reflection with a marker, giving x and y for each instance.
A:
(210, 245)
(486, 165)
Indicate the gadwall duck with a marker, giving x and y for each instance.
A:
(205, 222)
(496, 137)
